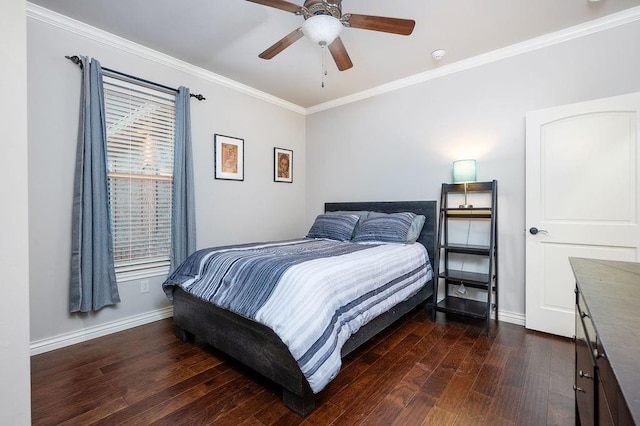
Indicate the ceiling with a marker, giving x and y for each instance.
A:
(226, 36)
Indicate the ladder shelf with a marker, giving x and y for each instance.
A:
(448, 274)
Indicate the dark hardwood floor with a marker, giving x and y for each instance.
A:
(418, 372)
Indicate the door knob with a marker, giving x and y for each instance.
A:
(533, 230)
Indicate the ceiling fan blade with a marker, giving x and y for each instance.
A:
(381, 23)
(282, 44)
(279, 4)
(340, 55)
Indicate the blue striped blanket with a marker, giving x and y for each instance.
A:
(313, 293)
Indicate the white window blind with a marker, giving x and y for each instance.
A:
(140, 141)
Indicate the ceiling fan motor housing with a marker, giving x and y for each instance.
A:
(322, 7)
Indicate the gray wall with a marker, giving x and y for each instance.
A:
(226, 211)
(400, 145)
(15, 394)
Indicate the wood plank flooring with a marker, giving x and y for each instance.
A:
(418, 372)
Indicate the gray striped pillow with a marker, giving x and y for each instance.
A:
(333, 226)
(389, 228)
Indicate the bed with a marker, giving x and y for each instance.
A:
(260, 348)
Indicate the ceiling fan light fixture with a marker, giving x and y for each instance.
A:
(322, 29)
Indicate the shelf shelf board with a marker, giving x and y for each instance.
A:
(471, 187)
(482, 250)
(468, 278)
(466, 307)
(472, 213)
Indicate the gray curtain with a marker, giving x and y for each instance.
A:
(183, 226)
(93, 280)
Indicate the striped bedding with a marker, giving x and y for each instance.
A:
(313, 293)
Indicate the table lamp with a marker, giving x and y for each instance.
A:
(464, 171)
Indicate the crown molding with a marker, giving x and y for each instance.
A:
(84, 30)
(571, 33)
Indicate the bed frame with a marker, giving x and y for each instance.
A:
(259, 348)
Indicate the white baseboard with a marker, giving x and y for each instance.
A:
(511, 317)
(68, 339)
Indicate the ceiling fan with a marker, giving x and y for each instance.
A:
(324, 20)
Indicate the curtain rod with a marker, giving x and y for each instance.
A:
(76, 60)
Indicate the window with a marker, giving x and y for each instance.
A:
(140, 141)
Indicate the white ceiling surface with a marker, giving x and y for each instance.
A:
(226, 36)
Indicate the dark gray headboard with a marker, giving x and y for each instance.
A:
(427, 208)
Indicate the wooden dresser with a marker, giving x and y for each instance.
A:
(607, 345)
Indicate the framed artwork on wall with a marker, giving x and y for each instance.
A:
(282, 165)
(229, 157)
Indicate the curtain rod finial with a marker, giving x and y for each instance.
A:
(198, 97)
(75, 59)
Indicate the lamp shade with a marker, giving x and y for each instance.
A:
(322, 29)
(464, 171)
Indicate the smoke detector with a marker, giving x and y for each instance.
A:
(438, 54)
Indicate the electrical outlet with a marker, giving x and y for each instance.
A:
(144, 286)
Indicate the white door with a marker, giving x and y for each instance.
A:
(582, 184)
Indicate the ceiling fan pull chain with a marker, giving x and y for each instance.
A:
(324, 62)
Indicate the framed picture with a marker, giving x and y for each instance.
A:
(282, 165)
(229, 157)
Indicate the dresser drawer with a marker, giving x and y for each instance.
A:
(605, 416)
(583, 313)
(584, 381)
(608, 382)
